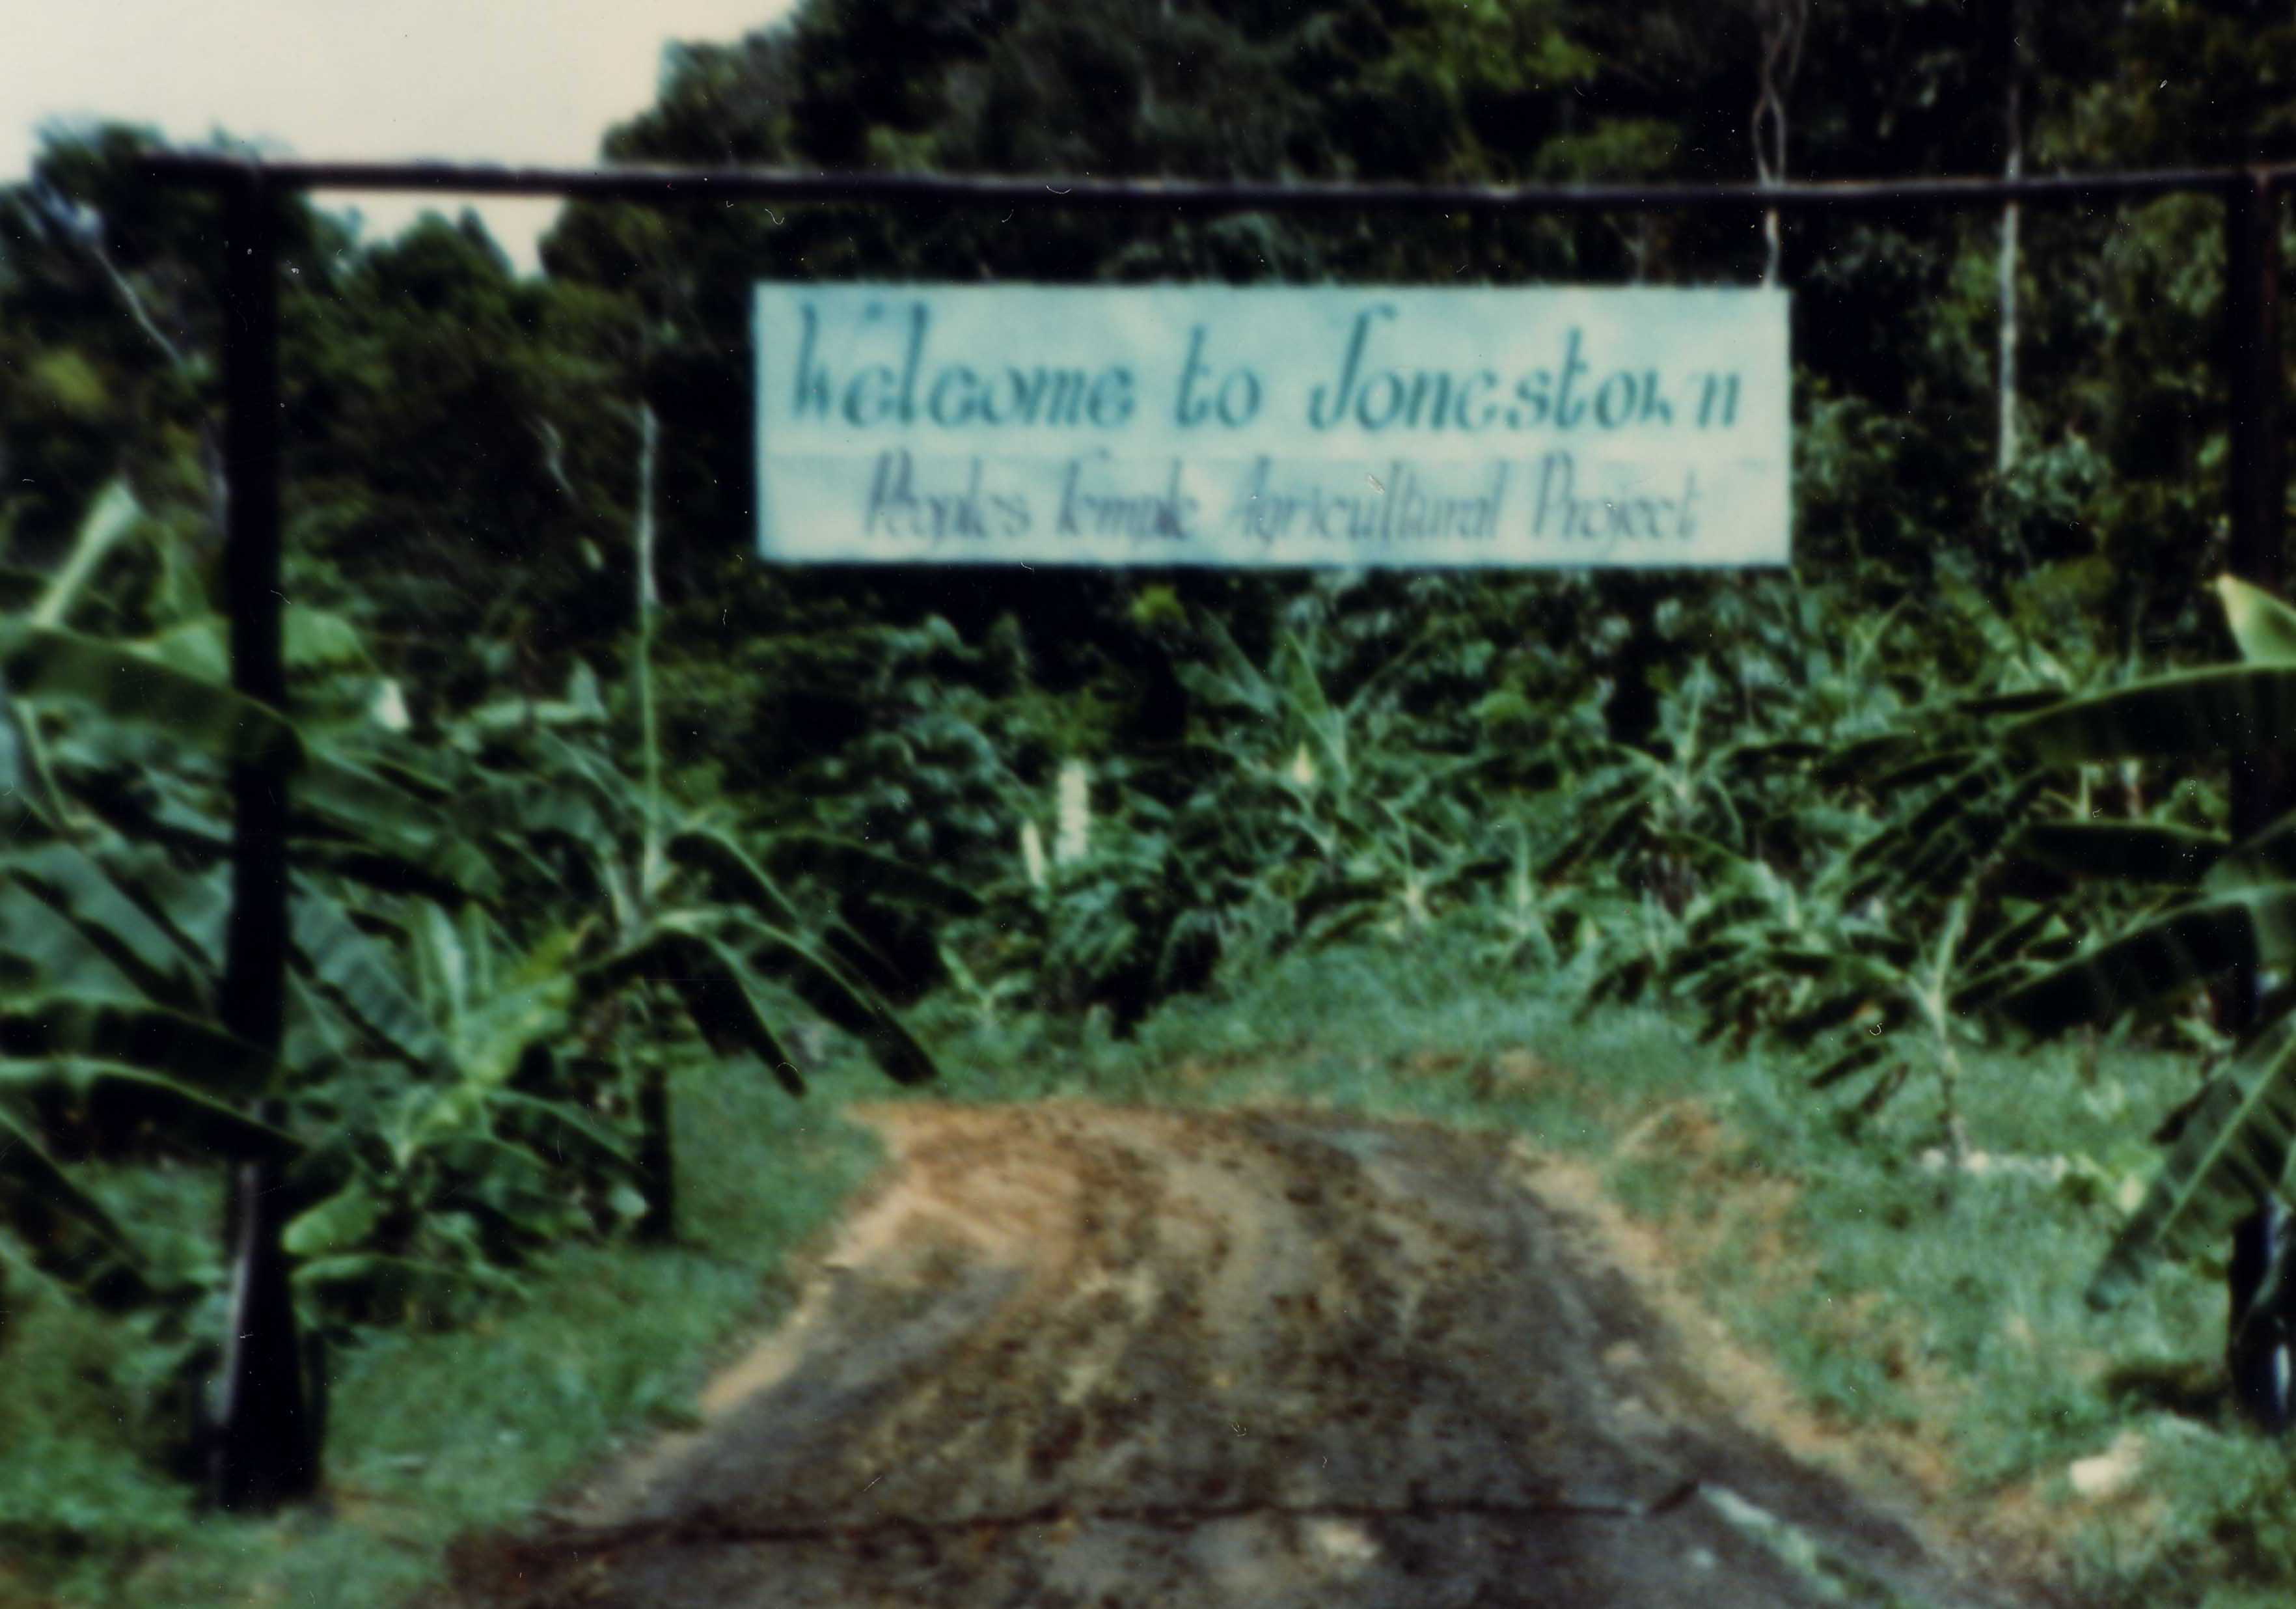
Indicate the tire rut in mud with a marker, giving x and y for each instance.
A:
(1073, 1355)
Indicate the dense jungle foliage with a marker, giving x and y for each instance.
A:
(580, 785)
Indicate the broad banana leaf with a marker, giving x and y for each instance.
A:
(138, 691)
(134, 783)
(164, 963)
(560, 1120)
(503, 1017)
(383, 820)
(311, 641)
(33, 1187)
(2232, 1151)
(715, 986)
(581, 706)
(856, 867)
(199, 647)
(55, 1028)
(340, 1223)
(1959, 848)
(2263, 626)
(361, 822)
(359, 976)
(319, 1037)
(732, 875)
(2010, 958)
(1940, 812)
(2220, 709)
(2269, 856)
(2166, 955)
(191, 903)
(118, 1095)
(2130, 851)
(721, 997)
(823, 984)
(552, 809)
(112, 515)
(737, 878)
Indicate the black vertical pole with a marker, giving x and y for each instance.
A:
(264, 1451)
(2260, 781)
(2258, 487)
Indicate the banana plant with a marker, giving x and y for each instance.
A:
(1904, 939)
(675, 917)
(114, 893)
(2223, 910)
(118, 941)
(1327, 803)
(454, 1172)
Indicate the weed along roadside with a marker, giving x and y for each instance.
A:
(433, 1432)
(1767, 1288)
(1921, 1329)
(1853, 1340)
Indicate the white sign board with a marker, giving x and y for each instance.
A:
(1330, 426)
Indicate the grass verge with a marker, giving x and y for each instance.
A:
(430, 1434)
(1933, 1320)
(1930, 1320)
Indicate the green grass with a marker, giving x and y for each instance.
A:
(430, 1434)
(1937, 1313)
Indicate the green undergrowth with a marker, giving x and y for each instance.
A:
(430, 1434)
(1937, 1313)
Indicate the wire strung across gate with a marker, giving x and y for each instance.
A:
(254, 980)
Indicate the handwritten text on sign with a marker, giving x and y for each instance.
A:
(1328, 425)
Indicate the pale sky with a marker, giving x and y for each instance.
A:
(492, 80)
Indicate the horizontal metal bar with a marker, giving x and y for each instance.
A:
(682, 185)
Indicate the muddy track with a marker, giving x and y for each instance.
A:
(1068, 1355)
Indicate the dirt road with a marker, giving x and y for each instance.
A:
(1070, 1354)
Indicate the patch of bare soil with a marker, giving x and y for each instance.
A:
(1070, 1355)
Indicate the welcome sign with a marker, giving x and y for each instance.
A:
(1331, 425)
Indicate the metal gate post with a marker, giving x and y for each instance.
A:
(2256, 477)
(266, 1449)
(2257, 488)
(251, 1004)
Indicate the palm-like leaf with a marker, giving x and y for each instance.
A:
(134, 928)
(82, 1242)
(2220, 709)
(856, 867)
(2232, 1150)
(2233, 1147)
(2263, 626)
(358, 976)
(846, 1001)
(133, 1034)
(136, 689)
(2127, 851)
(2164, 957)
(120, 1097)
